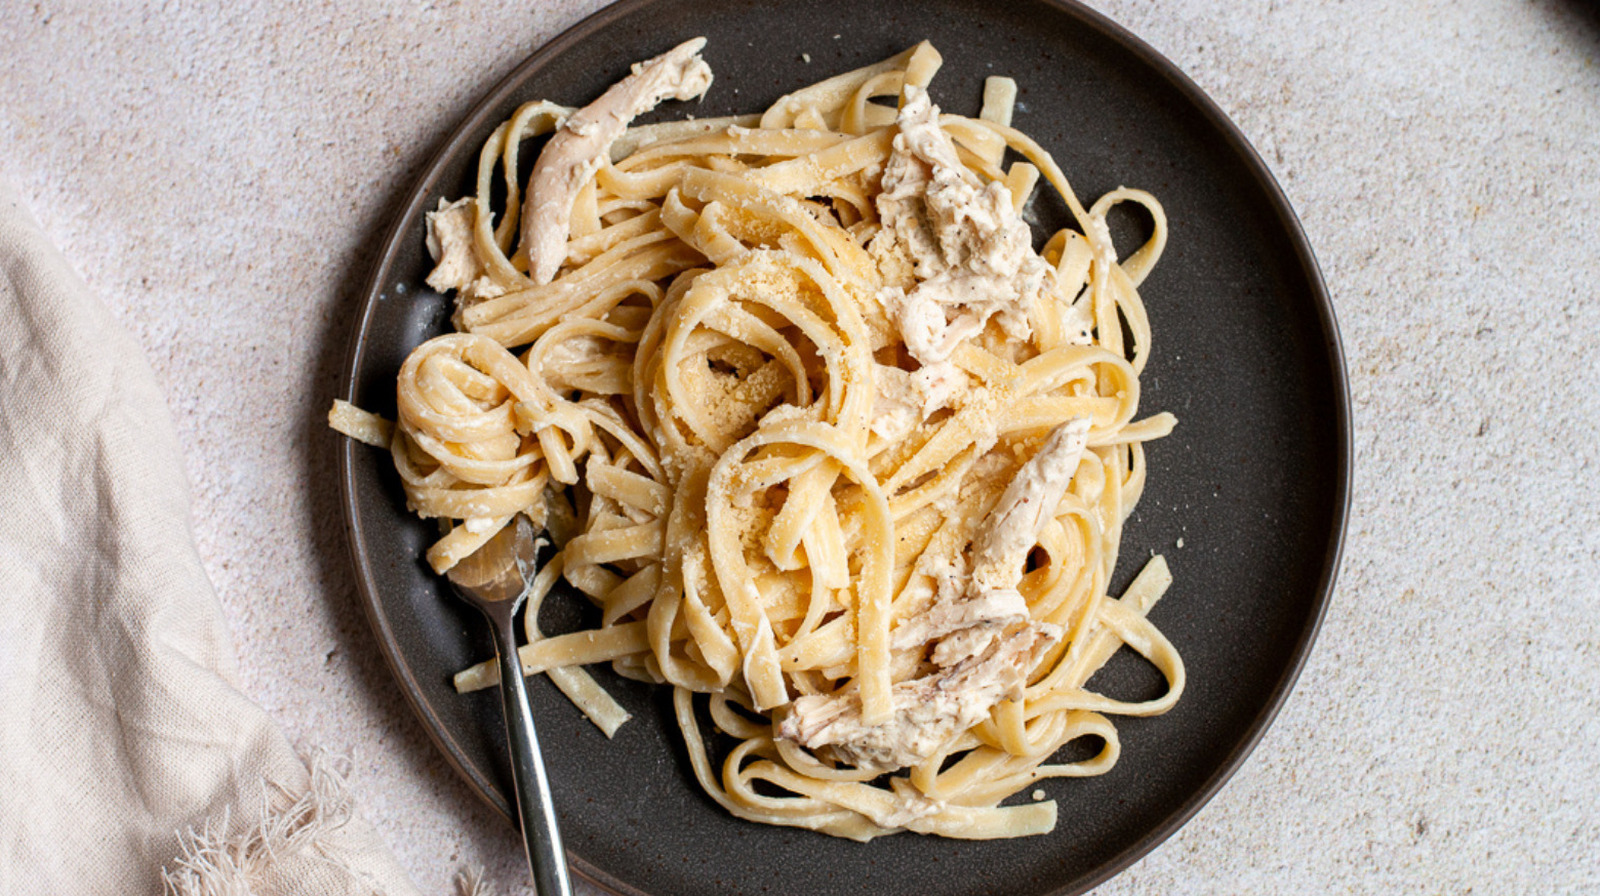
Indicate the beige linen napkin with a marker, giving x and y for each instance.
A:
(121, 727)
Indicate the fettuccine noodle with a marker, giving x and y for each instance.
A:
(836, 453)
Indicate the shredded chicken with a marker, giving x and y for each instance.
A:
(929, 711)
(576, 149)
(971, 253)
(450, 243)
(984, 644)
(905, 400)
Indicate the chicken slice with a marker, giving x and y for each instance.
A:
(576, 148)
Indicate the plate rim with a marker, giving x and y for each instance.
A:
(460, 137)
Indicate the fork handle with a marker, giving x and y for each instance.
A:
(541, 836)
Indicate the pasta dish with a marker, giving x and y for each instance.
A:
(836, 449)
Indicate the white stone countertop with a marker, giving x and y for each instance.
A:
(220, 172)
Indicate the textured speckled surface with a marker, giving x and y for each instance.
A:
(222, 174)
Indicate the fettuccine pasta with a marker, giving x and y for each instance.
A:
(835, 451)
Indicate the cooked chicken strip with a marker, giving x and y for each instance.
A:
(928, 711)
(1028, 502)
(576, 148)
(983, 642)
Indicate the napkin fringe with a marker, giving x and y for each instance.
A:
(212, 863)
(291, 830)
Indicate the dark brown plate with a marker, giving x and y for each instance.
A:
(1255, 482)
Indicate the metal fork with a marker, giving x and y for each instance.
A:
(495, 579)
